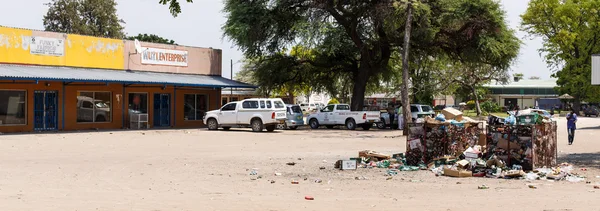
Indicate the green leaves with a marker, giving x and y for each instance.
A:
(152, 38)
(174, 6)
(86, 17)
(569, 29)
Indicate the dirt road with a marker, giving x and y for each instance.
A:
(205, 170)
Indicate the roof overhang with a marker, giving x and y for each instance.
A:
(88, 75)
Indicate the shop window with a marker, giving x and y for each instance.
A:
(195, 106)
(138, 103)
(12, 107)
(94, 106)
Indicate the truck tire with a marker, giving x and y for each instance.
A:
(257, 125)
(314, 123)
(366, 126)
(381, 125)
(212, 124)
(351, 124)
(271, 128)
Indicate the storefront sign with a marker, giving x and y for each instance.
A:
(47, 46)
(165, 57)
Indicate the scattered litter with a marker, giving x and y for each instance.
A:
(392, 172)
(277, 174)
(389, 178)
(322, 167)
(458, 183)
(291, 163)
(310, 198)
(575, 179)
(318, 181)
(360, 178)
(295, 182)
(483, 187)
(299, 158)
(253, 172)
(596, 187)
(532, 186)
(272, 181)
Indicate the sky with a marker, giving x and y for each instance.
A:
(200, 23)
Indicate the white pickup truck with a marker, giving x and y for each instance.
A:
(257, 113)
(340, 114)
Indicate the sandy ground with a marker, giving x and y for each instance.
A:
(206, 170)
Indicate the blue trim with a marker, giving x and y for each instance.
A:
(174, 106)
(63, 106)
(124, 82)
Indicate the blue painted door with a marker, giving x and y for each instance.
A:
(162, 110)
(45, 109)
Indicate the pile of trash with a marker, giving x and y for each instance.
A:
(373, 159)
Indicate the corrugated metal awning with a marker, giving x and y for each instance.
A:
(71, 74)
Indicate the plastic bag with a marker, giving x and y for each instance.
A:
(531, 176)
(575, 179)
(440, 117)
(510, 120)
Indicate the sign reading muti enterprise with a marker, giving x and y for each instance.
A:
(167, 57)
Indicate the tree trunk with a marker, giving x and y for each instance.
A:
(405, 79)
(576, 105)
(360, 86)
(478, 107)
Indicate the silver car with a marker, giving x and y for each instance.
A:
(295, 117)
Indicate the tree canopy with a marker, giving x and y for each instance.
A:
(356, 40)
(86, 17)
(569, 30)
(174, 6)
(153, 38)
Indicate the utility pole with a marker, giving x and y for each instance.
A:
(231, 77)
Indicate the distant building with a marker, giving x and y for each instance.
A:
(525, 93)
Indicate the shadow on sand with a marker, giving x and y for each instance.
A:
(589, 160)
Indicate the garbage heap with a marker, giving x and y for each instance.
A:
(448, 135)
(512, 146)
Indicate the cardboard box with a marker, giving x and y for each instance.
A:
(348, 164)
(451, 113)
(482, 140)
(457, 173)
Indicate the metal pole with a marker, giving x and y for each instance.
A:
(231, 77)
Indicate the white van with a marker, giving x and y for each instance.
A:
(257, 113)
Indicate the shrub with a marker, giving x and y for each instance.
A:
(490, 107)
(333, 101)
(471, 104)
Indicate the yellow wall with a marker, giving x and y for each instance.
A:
(80, 51)
(85, 51)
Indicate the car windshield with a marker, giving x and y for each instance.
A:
(101, 105)
(426, 108)
(296, 109)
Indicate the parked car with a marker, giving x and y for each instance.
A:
(591, 111)
(340, 114)
(308, 107)
(421, 111)
(257, 113)
(295, 117)
(92, 110)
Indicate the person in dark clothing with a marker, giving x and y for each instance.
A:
(391, 113)
(571, 126)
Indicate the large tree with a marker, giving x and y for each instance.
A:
(362, 36)
(153, 38)
(569, 30)
(86, 17)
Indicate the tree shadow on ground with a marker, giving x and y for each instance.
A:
(589, 160)
(589, 128)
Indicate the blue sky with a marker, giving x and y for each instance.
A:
(200, 25)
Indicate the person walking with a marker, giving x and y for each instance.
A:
(571, 126)
(391, 113)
